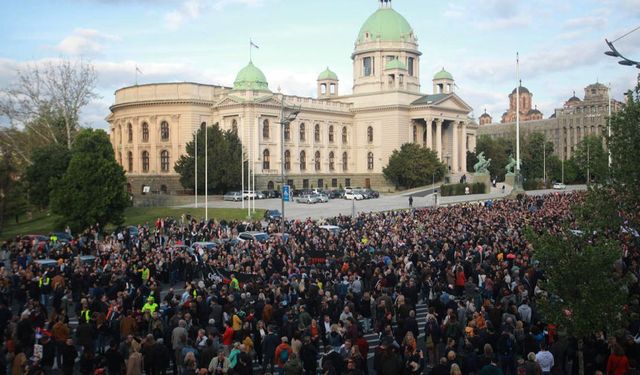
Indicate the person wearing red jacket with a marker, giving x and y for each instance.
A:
(227, 337)
(618, 363)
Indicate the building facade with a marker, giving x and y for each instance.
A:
(568, 125)
(336, 140)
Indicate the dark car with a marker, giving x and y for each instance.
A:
(271, 194)
(63, 237)
(368, 193)
(272, 214)
(336, 194)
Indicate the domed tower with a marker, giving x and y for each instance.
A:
(534, 114)
(327, 84)
(250, 82)
(443, 83)
(573, 101)
(384, 37)
(485, 118)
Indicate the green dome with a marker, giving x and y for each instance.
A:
(251, 78)
(327, 75)
(387, 25)
(395, 64)
(443, 74)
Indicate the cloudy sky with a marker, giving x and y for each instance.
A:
(561, 43)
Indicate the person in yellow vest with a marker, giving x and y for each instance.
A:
(86, 314)
(235, 284)
(145, 274)
(151, 306)
(45, 288)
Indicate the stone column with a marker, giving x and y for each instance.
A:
(428, 129)
(439, 138)
(463, 147)
(454, 147)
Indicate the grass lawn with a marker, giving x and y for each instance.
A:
(42, 223)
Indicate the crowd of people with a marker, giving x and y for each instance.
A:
(312, 301)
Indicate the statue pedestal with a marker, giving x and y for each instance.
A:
(483, 179)
(510, 179)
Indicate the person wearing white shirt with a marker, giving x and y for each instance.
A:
(545, 360)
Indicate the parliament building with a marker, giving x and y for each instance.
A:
(336, 140)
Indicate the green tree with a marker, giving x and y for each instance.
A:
(224, 158)
(13, 201)
(592, 159)
(48, 163)
(472, 159)
(498, 150)
(413, 166)
(92, 190)
(535, 151)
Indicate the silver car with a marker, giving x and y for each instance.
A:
(234, 196)
(308, 198)
(322, 198)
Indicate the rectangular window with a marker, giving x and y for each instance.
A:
(305, 183)
(410, 65)
(321, 183)
(334, 182)
(347, 182)
(290, 183)
(367, 66)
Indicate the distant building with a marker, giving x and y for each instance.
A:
(568, 125)
(526, 112)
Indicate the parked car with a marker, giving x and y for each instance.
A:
(336, 194)
(559, 186)
(249, 194)
(351, 195)
(234, 196)
(203, 245)
(253, 236)
(331, 228)
(260, 195)
(272, 214)
(276, 236)
(308, 198)
(322, 198)
(63, 237)
(373, 193)
(271, 193)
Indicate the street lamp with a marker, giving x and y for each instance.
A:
(614, 52)
(284, 121)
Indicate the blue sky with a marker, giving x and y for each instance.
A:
(561, 43)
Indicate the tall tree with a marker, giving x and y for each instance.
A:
(413, 166)
(92, 190)
(224, 152)
(536, 152)
(48, 163)
(45, 95)
(592, 159)
(13, 202)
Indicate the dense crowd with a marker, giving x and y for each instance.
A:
(303, 303)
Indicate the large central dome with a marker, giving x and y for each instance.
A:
(387, 25)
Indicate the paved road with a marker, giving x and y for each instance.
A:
(335, 207)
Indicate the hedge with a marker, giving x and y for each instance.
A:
(458, 189)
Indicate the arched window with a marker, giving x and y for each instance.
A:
(265, 159)
(145, 161)
(130, 161)
(164, 161)
(303, 161)
(265, 130)
(145, 132)
(331, 134)
(164, 189)
(130, 132)
(345, 160)
(302, 132)
(317, 161)
(234, 126)
(270, 185)
(332, 161)
(370, 134)
(287, 132)
(344, 134)
(164, 130)
(370, 161)
(287, 160)
(316, 133)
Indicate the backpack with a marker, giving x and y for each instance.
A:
(284, 355)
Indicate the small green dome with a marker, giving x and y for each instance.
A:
(443, 74)
(251, 78)
(395, 64)
(387, 25)
(328, 75)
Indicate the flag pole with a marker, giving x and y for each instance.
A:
(206, 176)
(195, 192)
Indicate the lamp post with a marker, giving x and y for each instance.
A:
(544, 163)
(284, 122)
(614, 52)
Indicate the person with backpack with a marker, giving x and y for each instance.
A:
(283, 351)
(505, 346)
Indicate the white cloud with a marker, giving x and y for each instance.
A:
(193, 9)
(84, 42)
(591, 22)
